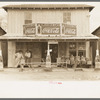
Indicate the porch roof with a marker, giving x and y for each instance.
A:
(42, 6)
(6, 37)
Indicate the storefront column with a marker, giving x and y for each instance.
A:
(48, 58)
(97, 48)
(11, 53)
(87, 49)
(48, 51)
(1, 61)
(67, 49)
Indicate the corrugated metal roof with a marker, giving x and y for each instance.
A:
(60, 6)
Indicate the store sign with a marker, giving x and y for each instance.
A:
(52, 42)
(50, 29)
(69, 29)
(29, 29)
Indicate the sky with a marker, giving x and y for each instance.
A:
(94, 14)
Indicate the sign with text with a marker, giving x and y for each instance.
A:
(69, 29)
(49, 29)
(29, 29)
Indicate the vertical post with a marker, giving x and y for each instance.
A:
(1, 58)
(60, 28)
(87, 49)
(97, 58)
(36, 29)
(76, 48)
(67, 49)
(11, 53)
(97, 49)
(48, 58)
(48, 51)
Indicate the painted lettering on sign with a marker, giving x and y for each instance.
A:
(29, 29)
(69, 29)
(50, 30)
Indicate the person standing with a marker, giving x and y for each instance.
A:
(28, 55)
(19, 59)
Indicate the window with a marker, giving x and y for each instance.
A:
(28, 17)
(77, 49)
(67, 17)
(81, 49)
(72, 48)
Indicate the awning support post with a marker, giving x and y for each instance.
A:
(48, 58)
(97, 50)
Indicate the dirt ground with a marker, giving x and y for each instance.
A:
(57, 74)
(60, 83)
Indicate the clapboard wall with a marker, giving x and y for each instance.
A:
(79, 17)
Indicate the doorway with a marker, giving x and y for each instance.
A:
(44, 51)
(54, 52)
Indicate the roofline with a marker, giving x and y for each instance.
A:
(3, 30)
(95, 30)
(35, 37)
(49, 7)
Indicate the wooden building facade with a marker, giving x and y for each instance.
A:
(61, 28)
(96, 32)
(3, 47)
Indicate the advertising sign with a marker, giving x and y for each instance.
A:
(69, 29)
(50, 29)
(29, 29)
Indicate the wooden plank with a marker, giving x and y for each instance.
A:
(11, 54)
(88, 49)
(78, 18)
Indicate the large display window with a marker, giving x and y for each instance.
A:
(72, 48)
(77, 49)
(81, 49)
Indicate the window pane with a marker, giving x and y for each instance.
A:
(72, 53)
(28, 16)
(28, 21)
(66, 17)
(81, 53)
(72, 45)
(81, 46)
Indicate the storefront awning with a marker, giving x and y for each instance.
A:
(5, 37)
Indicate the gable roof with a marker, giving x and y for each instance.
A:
(2, 32)
(48, 6)
(96, 31)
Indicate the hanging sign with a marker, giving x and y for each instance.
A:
(51, 29)
(69, 29)
(29, 29)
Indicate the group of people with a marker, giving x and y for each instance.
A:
(74, 61)
(21, 58)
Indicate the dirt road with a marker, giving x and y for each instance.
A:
(57, 74)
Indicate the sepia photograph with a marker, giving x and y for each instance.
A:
(47, 48)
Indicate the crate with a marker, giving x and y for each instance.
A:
(89, 62)
(97, 64)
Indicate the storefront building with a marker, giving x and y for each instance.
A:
(3, 47)
(96, 32)
(62, 29)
